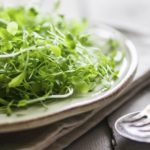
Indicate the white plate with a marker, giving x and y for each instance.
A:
(36, 116)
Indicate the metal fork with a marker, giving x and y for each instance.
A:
(135, 126)
(140, 119)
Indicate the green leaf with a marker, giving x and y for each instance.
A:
(82, 87)
(3, 102)
(15, 82)
(56, 50)
(22, 103)
(71, 43)
(84, 40)
(12, 28)
(33, 12)
(56, 5)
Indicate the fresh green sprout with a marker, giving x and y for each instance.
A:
(49, 58)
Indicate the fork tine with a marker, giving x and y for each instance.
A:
(133, 118)
(141, 123)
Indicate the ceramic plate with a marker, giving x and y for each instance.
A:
(36, 116)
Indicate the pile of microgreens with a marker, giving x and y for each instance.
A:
(49, 57)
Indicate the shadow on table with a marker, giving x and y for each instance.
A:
(125, 144)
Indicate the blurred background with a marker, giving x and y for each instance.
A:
(131, 17)
(127, 13)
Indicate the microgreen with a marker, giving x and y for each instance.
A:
(46, 57)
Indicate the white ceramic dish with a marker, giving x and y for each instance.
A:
(36, 116)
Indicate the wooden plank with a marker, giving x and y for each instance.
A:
(96, 139)
(136, 104)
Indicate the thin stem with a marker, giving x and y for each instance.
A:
(70, 92)
(23, 51)
(3, 21)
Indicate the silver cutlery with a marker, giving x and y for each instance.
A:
(135, 126)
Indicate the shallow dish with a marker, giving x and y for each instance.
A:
(36, 116)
